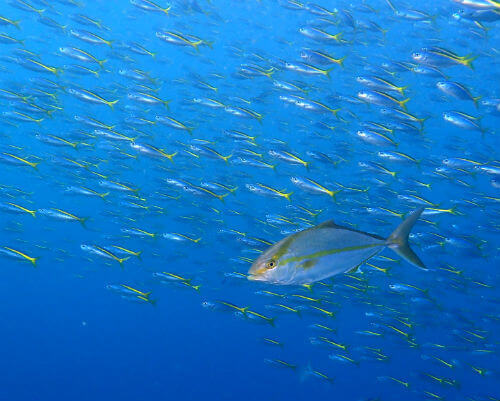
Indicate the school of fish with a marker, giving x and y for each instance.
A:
(213, 151)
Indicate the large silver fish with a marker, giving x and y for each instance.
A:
(327, 250)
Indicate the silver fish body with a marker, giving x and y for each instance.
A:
(326, 250)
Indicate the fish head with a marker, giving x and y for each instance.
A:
(363, 95)
(269, 266)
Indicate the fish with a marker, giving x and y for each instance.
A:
(203, 145)
(328, 249)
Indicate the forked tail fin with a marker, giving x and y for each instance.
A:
(398, 240)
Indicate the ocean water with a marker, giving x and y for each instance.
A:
(151, 152)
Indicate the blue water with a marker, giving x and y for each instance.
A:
(78, 324)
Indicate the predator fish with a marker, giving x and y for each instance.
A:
(326, 250)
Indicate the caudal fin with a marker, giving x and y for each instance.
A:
(398, 240)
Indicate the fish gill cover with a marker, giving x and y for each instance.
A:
(197, 200)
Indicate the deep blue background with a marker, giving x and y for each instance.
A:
(65, 336)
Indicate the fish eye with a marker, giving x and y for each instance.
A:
(271, 264)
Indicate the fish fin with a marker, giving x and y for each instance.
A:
(308, 286)
(328, 224)
(402, 103)
(355, 268)
(122, 260)
(398, 240)
(467, 61)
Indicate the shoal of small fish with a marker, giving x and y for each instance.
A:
(168, 145)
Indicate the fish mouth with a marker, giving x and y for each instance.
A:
(254, 277)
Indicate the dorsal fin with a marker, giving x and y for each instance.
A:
(331, 224)
(328, 224)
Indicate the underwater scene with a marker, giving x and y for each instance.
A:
(250, 200)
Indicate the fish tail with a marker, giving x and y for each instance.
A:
(402, 89)
(455, 212)
(120, 261)
(32, 212)
(467, 61)
(327, 73)
(402, 103)
(104, 195)
(398, 240)
(333, 194)
(268, 74)
(197, 240)
(196, 44)
(166, 10)
(244, 310)
(221, 197)
(287, 196)
(476, 99)
(147, 294)
(101, 62)
(112, 104)
(33, 261)
(196, 287)
(340, 61)
(171, 158)
(16, 24)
